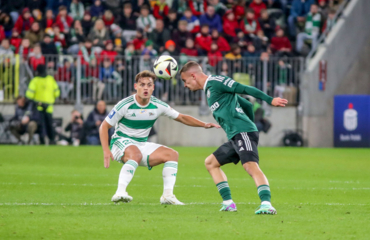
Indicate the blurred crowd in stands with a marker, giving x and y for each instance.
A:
(230, 28)
(112, 40)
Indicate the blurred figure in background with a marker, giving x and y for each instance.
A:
(76, 129)
(64, 80)
(25, 120)
(93, 121)
(43, 90)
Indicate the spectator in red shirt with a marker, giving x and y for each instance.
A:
(59, 37)
(257, 6)
(108, 18)
(15, 41)
(48, 21)
(222, 44)
(214, 56)
(249, 24)
(86, 53)
(160, 10)
(36, 57)
(108, 52)
(189, 52)
(64, 79)
(198, 7)
(63, 21)
(203, 40)
(24, 49)
(2, 33)
(239, 10)
(230, 24)
(139, 40)
(280, 44)
(24, 21)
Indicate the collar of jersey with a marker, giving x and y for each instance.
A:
(139, 104)
(205, 84)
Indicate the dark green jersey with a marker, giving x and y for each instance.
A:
(221, 92)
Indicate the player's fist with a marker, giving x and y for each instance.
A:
(211, 125)
(107, 156)
(279, 102)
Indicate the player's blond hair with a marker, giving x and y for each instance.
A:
(145, 74)
(189, 65)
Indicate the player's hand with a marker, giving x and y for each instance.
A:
(212, 125)
(107, 156)
(279, 102)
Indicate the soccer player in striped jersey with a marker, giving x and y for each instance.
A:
(133, 117)
(235, 115)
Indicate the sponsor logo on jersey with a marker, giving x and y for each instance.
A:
(208, 93)
(111, 114)
(239, 110)
(142, 111)
(241, 149)
(214, 106)
(240, 143)
(133, 115)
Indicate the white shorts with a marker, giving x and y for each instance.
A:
(119, 146)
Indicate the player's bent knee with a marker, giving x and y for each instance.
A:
(174, 156)
(132, 153)
(170, 155)
(252, 168)
(210, 162)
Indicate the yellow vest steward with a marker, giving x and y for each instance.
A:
(44, 90)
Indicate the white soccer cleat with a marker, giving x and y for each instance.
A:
(170, 200)
(121, 198)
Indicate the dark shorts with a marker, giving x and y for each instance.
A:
(242, 147)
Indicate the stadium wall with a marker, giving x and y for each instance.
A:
(172, 133)
(347, 52)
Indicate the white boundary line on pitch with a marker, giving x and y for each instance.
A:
(154, 204)
(157, 185)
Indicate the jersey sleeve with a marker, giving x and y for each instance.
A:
(168, 111)
(115, 115)
(230, 86)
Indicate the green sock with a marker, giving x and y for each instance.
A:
(224, 189)
(264, 193)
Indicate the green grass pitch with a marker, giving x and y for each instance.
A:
(64, 193)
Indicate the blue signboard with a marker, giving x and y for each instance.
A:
(352, 121)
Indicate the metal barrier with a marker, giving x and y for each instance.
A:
(84, 81)
(9, 78)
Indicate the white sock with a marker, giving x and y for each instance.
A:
(125, 176)
(169, 177)
(227, 202)
(266, 202)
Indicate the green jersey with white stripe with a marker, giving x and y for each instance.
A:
(134, 121)
(221, 92)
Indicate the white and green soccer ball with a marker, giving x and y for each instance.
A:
(165, 67)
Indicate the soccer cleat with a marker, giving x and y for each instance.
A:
(229, 207)
(170, 200)
(121, 198)
(266, 209)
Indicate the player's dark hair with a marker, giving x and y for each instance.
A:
(189, 65)
(145, 74)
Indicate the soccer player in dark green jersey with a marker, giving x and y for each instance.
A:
(235, 115)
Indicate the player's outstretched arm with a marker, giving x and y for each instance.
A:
(193, 122)
(104, 138)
